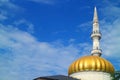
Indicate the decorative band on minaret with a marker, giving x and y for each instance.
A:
(96, 36)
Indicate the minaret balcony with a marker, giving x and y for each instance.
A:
(96, 35)
(96, 52)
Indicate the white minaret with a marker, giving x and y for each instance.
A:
(96, 35)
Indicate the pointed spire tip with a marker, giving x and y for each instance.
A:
(95, 18)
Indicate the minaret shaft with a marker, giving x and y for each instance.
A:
(96, 35)
(96, 44)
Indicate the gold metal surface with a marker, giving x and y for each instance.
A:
(91, 63)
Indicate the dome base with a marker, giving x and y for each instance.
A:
(92, 75)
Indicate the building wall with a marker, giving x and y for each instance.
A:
(92, 75)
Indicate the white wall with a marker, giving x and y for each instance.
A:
(91, 75)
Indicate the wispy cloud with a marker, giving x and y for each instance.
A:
(50, 2)
(8, 9)
(26, 25)
(45, 1)
(111, 39)
(22, 54)
(2, 17)
(23, 57)
(8, 12)
(111, 11)
(8, 4)
(85, 26)
(109, 26)
(110, 29)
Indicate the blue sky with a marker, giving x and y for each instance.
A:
(43, 37)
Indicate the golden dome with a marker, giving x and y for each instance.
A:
(91, 63)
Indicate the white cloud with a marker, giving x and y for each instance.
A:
(71, 40)
(2, 17)
(8, 4)
(23, 57)
(111, 38)
(8, 9)
(85, 26)
(24, 24)
(109, 26)
(44, 1)
(8, 12)
(110, 29)
(111, 11)
(50, 2)
(111, 32)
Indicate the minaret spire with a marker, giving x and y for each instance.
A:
(96, 35)
(95, 18)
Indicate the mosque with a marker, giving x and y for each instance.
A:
(91, 67)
